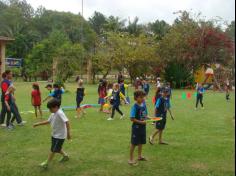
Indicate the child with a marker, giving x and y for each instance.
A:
(60, 131)
(79, 97)
(12, 109)
(49, 88)
(160, 111)
(200, 92)
(109, 92)
(138, 136)
(102, 92)
(122, 87)
(146, 87)
(227, 90)
(115, 101)
(56, 93)
(36, 99)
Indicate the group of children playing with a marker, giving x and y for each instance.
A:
(112, 93)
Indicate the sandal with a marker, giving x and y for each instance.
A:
(163, 143)
(133, 163)
(142, 159)
(151, 140)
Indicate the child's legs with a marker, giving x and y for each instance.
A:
(16, 113)
(8, 119)
(40, 111)
(201, 100)
(36, 111)
(119, 111)
(50, 157)
(155, 133)
(131, 156)
(160, 136)
(197, 101)
(63, 153)
(3, 112)
(113, 112)
(140, 148)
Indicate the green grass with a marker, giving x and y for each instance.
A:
(201, 142)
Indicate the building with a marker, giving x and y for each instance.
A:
(3, 42)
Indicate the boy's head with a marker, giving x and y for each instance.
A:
(49, 87)
(139, 96)
(8, 74)
(53, 105)
(165, 93)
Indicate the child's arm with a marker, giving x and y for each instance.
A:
(138, 121)
(41, 123)
(108, 96)
(46, 99)
(68, 130)
(7, 105)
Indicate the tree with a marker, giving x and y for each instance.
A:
(41, 57)
(159, 28)
(68, 59)
(97, 22)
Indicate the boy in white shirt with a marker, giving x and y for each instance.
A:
(60, 131)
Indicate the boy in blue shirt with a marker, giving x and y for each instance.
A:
(138, 116)
(160, 111)
(56, 93)
(146, 87)
(200, 92)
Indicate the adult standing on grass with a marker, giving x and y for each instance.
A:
(120, 77)
(5, 84)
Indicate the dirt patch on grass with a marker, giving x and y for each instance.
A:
(199, 166)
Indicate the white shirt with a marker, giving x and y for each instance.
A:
(58, 123)
(158, 84)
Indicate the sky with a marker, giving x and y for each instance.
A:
(146, 10)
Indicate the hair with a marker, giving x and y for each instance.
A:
(77, 78)
(81, 82)
(116, 85)
(36, 87)
(56, 86)
(139, 93)
(7, 72)
(49, 85)
(4, 75)
(11, 88)
(53, 104)
(110, 86)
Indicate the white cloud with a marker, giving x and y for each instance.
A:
(146, 10)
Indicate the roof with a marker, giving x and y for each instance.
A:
(5, 39)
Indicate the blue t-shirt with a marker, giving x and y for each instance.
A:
(57, 94)
(161, 106)
(139, 112)
(146, 87)
(200, 91)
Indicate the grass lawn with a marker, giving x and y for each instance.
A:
(201, 142)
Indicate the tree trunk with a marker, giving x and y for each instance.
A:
(89, 71)
(54, 68)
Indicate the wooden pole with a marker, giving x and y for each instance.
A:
(2, 58)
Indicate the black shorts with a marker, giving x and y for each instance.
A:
(160, 125)
(57, 145)
(138, 135)
(79, 101)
